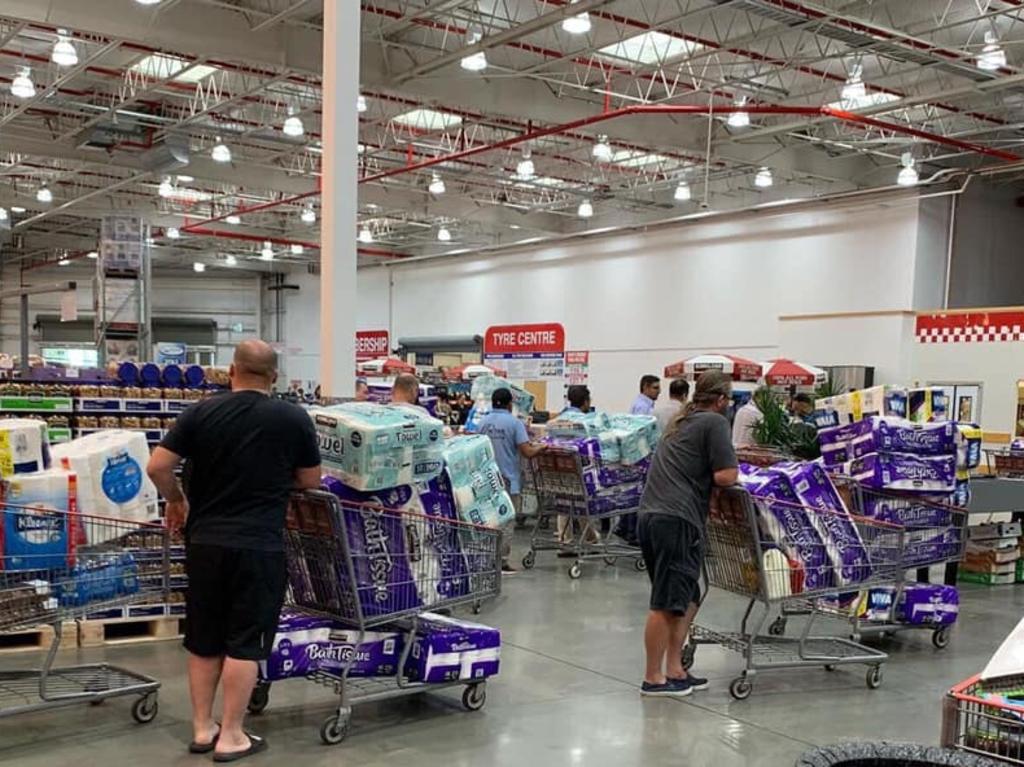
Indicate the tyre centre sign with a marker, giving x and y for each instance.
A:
(527, 352)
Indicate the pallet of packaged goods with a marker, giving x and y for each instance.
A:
(127, 629)
(35, 639)
(993, 554)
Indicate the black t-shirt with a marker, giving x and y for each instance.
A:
(242, 450)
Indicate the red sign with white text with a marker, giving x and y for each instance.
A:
(545, 338)
(371, 344)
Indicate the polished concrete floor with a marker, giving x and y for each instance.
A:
(566, 695)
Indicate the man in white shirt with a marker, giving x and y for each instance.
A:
(743, 424)
(666, 412)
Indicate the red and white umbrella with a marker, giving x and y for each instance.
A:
(782, 372)
(385, 366)
(471, 371)
(737, 368)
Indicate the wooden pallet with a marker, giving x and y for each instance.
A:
(38, 638)
(96, 633)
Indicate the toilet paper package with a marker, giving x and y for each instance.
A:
(927, 547)
(814, 489)
(38, 526)
(928, 404)
(484, 387)
(785, 522)
(896, 435)
(447, 649)
(372, 447)
(968, 446)
(112, 481)
(913, 512)
(923, 604)
(445, 543)
(467, 454)
(305, 644)
(625, 497)
(24, 446)
(597, 473)
(902, 471)
(481, 498)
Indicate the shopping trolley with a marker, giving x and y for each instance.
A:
(367, 567)
(741, 530)
(935, 533)
(1004, 462)
(990, 726)
(562, 493)
(106, 563)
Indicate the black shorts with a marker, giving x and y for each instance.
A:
(673, 551)
(233, 601)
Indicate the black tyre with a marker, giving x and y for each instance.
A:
(874, 677)
(610, 561)
(689, 652)
(474, 697)
(334, 730)
(741, 688)
(778, 627)
(575, 571)
(529, 560)
(145, 709)
(940, 638)
(260, 698)
(640, 565)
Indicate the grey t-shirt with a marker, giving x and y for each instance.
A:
(682, 473)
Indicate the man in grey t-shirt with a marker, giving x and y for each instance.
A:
(695, 455)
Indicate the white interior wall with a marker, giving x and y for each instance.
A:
(641, 300)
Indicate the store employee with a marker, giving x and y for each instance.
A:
(650, 388)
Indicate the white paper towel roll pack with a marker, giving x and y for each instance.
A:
(111, 469)
(24, 446)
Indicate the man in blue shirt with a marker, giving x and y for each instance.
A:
(510, 440)
(650, 388)
(579, 399)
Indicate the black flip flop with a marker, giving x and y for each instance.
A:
(204, 748)
(256, 744)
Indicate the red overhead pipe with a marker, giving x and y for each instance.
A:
(250, 209)
(195, 229)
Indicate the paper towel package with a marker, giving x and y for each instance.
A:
(814, 489)
(785, 522)
(476, 482)
(304, 644)
(111, 470)
(466, 454)
(372, 447)
(902, 471)
(968, 446)
(24, 446)
(859, 404)
(928, 404)
(37, 522)
(448, 649)
(98, 578)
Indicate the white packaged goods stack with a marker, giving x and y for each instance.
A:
(484, 386)
(24, 446)
(856, 405)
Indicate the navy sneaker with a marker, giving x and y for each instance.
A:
(695, 683)
(672, 688)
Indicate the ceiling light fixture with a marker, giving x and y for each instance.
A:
(585, 210)
(220, 152)
(437, 186)
(22, 86)
(854, 92)
(525, 169)
(578, 24)
(230, 260)
(293, 125)
(992, 56)
(185, 179)
(64, 261)
(3, 214)
(297, 249)
(173, 233)
(365, 235)
(44, 194)
(17, 209)
(92, 254)
(267, 253)
(602, 151)
(199, 266)
(361, 105)
(740, 118)
(908, 173)
(474, 62)
(683, 193)
(166, 188)
(64, 53)
(308, 215)
(764, 179)
(443, 235)
(233, 219)
(149, 2)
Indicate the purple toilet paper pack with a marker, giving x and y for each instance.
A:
(443, 545)
(923, 604)
(304, 644)
(784, 522)
(923, 511)
(926, 547)
(835, 441)
(447, 649)
(814, 489)
(896, 435)
(901, 471)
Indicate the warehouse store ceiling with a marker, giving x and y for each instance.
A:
(483, 123)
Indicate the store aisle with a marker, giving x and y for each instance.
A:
(566, 695)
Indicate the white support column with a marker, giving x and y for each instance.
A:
(339, 198)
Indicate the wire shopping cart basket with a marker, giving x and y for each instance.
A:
(1004, 462)
(766, 551)
(935, 533)
(91, 563)
(584, 515)
(366, 567)
(978, 718)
